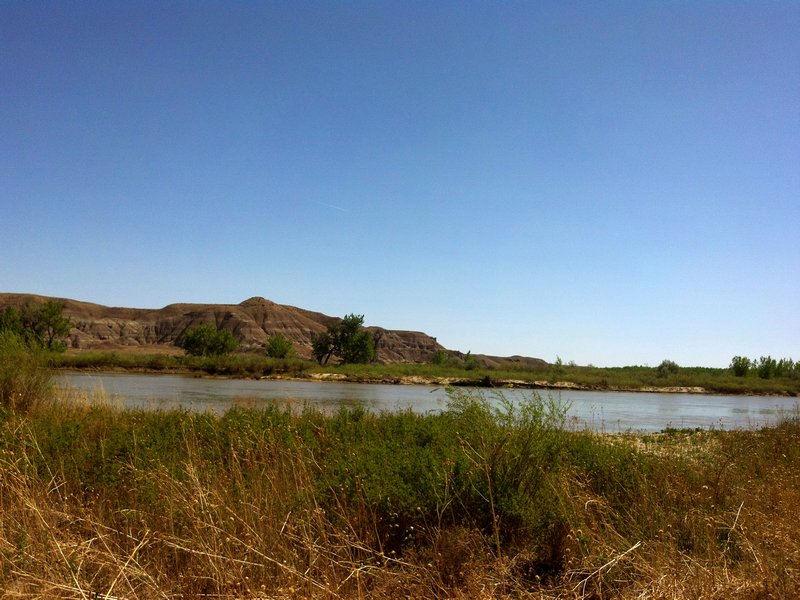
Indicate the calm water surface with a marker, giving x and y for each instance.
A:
(601, 411)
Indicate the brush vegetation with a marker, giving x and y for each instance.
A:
(597, 378)
(485, 500)
(244, 365)
(207, 340)
(461, 371)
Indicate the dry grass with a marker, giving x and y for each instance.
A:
(231, 509)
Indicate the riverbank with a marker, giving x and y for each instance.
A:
(470, 503)
(488, 382)
(696, 380)
(483, 382)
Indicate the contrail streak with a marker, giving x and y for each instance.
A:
(330, 205)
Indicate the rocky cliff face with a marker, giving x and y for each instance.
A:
(252, 322)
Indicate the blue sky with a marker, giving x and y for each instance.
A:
(608, 182)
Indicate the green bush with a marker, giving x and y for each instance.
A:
(207, 340)
(470, 362)
(766, 367)
(740, 365)
(785, 367)
(667, 367)
(40, 325)
(279, 346)
(512, 450)
(439, 357)
(346, 339)
(24, 377)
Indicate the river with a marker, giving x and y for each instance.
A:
(610, 412)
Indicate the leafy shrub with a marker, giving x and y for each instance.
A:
(766, 367)
(667, 367)
(511, 450)
(24, 378)
(41, 325)
(279, 347)
(740, 365)
(346, 339)
(784, 367)
(10, 320)
(470, 362)
(439, 357)
(207, 340)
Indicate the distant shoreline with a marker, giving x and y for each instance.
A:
(444, 381)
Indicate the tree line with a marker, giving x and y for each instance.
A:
(346, 339)
(765, 367)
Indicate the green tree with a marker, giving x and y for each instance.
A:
(785, 366)
(766, 367)
(51, 326)
(322, 346)
(377, 337)
(279, 346)
(25, 381)
(207, 340)
(346, 339)
(667, 367)
(11, 321)
(470, 362)
(740, 365)
(42, 325)
(440, 357)
(354, 344)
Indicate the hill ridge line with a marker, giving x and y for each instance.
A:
(252, 321)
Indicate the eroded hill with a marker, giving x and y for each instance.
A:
(252, 322)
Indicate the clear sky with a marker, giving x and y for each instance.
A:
(612, 183)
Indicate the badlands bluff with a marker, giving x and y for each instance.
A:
(252, 322)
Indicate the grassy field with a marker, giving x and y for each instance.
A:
(476, 502)
(624, 378)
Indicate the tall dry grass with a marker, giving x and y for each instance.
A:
(474, 503)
